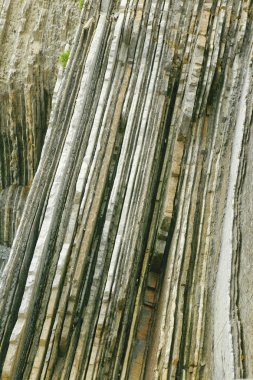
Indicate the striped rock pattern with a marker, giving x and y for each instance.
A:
(32, 34)
(132, 258)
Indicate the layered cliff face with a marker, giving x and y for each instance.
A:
(32, 35)
(132, 258)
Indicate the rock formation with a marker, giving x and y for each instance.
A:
(132, 257)
(32, 35)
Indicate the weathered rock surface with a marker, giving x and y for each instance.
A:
(133, 258)
(4, 255)
(32, 34)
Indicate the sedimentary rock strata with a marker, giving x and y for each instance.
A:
(130, 259)
(32, 35)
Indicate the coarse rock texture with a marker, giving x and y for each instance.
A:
(133, 255)
(4, 254)
(32, 35)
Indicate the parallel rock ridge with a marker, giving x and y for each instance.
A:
(131, 256)
(32, 35)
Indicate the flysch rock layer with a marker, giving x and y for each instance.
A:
(132, 258)
(32, 35)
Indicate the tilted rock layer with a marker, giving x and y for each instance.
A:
(32, 34)
(133, 255)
